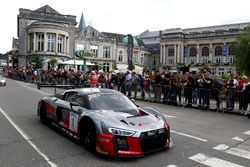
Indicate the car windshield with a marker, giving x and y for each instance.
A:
(111, 101)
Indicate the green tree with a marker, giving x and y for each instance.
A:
(52, 62)
(242, 56)
(38, 61)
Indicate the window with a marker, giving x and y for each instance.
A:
(205, 60)
(70, 96)
(218, 51)
(60, 43)
(94, 49)
(221, 71)
(213, 71)
(106, 67)
(170, 61)
(171, 52)
(218, 60)
(192, 52)
(231, 60)
(192, 60)
(40, 42)
(51, 42)
(31, 42)
(106, 51)
(205, 51)
(231, 51)
(120, 58)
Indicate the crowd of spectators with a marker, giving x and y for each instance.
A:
(187, 89)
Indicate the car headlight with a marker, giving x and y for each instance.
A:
(121, 132)
(2, 80)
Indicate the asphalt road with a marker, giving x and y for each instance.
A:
(200, 138)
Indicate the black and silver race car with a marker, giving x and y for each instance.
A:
(106, 121)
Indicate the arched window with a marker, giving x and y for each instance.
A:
(218, 51)
(231, 51)
(120, 58)
(205, 51)
(192, 52)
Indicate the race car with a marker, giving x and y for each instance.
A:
(2, 81)
(106, 121)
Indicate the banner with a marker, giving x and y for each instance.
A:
(224, 50)
(130, 51)
(185, 51)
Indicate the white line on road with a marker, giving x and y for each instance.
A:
(169, 116)
(239, 152)
(221, 147)
(233, 151)
(187, 135)
(237, 138)
(247, 133)
(212, 161)
(27, 138)
(171, 166)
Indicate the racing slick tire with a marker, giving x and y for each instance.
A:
(43, 112)
(88, 135)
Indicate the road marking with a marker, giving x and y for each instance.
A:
(171, 166)
(169, 116)
(27, 138)
(237, 138)
(212, 161)
(221, 147)
(187, 135)
(247, 133)
(239, 152)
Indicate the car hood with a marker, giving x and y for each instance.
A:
(127, 121)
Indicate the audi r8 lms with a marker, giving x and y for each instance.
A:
(106, 121)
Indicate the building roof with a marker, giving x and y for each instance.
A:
(47, 9)
(82, 25)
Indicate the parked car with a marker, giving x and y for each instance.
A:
(106, 121)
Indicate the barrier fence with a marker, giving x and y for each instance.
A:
(235, 101)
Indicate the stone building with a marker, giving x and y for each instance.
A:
(47, 33)
(109, 49)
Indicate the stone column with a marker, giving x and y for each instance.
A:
(164, 55)
(34, 43)
(175, 54)
(45, 44)
(178, 56)
(198, 54)
(64, 44)
(182, 53)
(56, 42)
(211, 52)
(161, 54)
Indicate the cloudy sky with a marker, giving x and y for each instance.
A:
(130, 16)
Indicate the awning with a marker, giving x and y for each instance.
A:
(76, 62)
(122, 67)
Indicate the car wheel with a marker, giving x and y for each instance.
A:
(43, 112)
(88, 135)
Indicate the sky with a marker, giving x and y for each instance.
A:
(130, 16)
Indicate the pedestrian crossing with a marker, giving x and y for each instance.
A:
(240, 150)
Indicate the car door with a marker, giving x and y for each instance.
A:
(68, 114)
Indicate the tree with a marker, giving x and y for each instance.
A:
(242, 56)
(37, 60)
(52, 62)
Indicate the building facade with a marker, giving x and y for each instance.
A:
(47, 33)
(206, 46)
